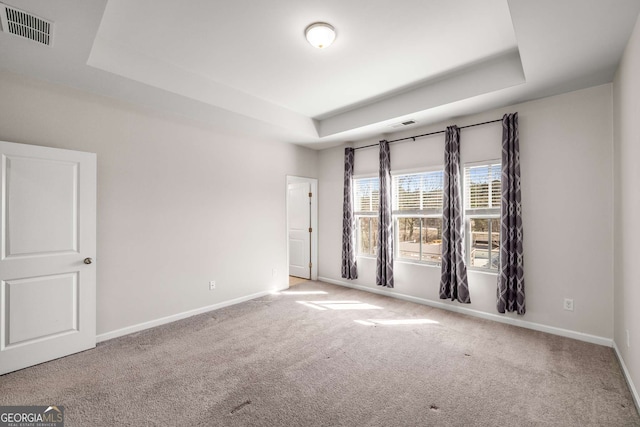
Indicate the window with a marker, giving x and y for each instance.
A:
(417, 212)
(366, 199)
(482, 213)
(417, 215)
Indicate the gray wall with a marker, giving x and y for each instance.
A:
(626, 97)
(567, 156)
(179, 203)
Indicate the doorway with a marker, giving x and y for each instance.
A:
(302, 224)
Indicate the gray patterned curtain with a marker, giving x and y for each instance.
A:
(349, 265)
(384, 274)
(511, 277)
(453, 279)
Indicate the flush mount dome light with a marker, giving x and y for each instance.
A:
(320, 34)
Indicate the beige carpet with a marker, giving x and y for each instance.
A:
(322, 355)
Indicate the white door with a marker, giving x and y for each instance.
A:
(299, 212)
(47, 251)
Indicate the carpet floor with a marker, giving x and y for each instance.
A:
(324, 355)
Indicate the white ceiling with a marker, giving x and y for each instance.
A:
(245, 65)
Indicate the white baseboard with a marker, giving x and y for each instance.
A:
(627, 376)
(168, 319)
(489, 316)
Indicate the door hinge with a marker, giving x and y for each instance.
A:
(309, 265)
(310, 194)
(310, 230)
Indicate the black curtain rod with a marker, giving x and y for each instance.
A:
(428, 134)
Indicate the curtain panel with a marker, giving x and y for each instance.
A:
(453, 275)
(349, 264)
(511, 275)
(384, 271)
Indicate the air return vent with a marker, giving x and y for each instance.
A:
(26, 25)
(403, 124)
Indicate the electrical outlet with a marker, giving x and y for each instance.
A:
(628, 342)
(212, 285)
(568, 304)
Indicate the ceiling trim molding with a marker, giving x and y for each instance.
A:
(497, 73)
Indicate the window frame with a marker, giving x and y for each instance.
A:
(488, 213)
(396, 214)
(357, 215)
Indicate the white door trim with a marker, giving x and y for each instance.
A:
(313, 182)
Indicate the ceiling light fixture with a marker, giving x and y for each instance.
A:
(320, 34)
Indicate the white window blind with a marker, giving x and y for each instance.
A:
(482, 186)
(418, 192)
(366, 194)
(482, 191)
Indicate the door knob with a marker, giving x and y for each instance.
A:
(88, 260)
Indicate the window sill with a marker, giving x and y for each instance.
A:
(482, 271)
(421, 264)
(401, 261)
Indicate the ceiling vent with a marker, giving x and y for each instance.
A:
(26, 25)
(403, 124)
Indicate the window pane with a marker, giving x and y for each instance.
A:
(374, 236)
(366, 194)
(433, 184)
(496, 189)
(363, 235)
(409, 238)
(418, 191)
(367, 235)
(432, 239)
(479, 251)
(495, 243)
(408, 192)
(419, 239)
(482, 185)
